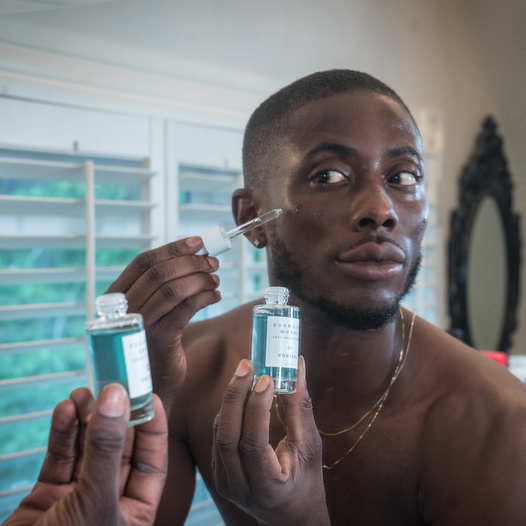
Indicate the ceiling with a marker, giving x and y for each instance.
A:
(23, 6)
(241, 35)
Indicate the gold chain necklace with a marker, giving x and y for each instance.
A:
(379, 404)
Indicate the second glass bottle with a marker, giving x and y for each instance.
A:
(276, 340)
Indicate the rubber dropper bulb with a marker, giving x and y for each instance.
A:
(215, 242)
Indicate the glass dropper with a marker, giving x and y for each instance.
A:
(249, 225)
(216, 240)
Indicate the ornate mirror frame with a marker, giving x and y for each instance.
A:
(485, 174)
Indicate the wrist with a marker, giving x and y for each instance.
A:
(167, 378)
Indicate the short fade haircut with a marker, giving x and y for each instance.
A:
(267, 127)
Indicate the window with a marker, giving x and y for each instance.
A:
(48, 250)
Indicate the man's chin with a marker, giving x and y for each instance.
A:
(362, 318)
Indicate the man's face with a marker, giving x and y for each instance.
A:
(350, 183)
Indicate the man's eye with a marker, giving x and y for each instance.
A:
(329, 176)
(405, 178)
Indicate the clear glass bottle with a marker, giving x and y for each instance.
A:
(276, 340)
(118, 353)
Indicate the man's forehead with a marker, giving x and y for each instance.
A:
(359, 113)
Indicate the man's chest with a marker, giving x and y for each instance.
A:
(374, 481)
(370, 472)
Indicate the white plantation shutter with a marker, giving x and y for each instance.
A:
(428, 298)
(77, 202)
(50, 334)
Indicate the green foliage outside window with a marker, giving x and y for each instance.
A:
(31, 398)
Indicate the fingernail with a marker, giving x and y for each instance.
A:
(262, 384)
(113, 403)
(213, 262)
(303, 370)
(242, 369)
(215, 278)
(193, 242)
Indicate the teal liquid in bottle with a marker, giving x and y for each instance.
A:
(118, 353)
(276, 340)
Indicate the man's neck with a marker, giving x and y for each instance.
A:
(345, 366)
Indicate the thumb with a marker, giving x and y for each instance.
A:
(103, 448)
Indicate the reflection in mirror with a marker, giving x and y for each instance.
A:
(484, 249)
(487, 275)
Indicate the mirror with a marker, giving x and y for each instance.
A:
(486, 278)
(484, 249)
(209, 64)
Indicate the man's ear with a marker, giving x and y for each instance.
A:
(247, 205)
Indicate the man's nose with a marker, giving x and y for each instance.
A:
(372, 209)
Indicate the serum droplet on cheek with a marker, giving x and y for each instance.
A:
(299, 208)
(318, 213)
(423, 225)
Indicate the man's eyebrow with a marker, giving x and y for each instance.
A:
(334, 147)
(405, 150)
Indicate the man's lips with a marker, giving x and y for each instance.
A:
(372, 261)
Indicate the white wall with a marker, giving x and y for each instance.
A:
(213, 61)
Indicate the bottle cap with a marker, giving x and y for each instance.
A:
(215, 242)
(109, 303)
(279, 295)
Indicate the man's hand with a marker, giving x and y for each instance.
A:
(281, 487)
(105, 474)
(168, 286)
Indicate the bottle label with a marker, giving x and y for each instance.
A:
(283, 337)
(137, 364)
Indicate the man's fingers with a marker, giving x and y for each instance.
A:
(176, 292)
(146, 260)
(149, 460)
(179, 317)
(61, 456)
(104, 444)
(83, 400)
(258, 455)
(167, 271)
(302, 433)
(227, 464)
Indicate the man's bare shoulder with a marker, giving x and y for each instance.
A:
(452, 369)
(473, 428)
(460, 393)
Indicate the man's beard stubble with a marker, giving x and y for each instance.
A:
(365, 319)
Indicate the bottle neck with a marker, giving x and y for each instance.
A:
(112, 314)
(276, 300)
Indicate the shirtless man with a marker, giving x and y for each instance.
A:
(433, 432)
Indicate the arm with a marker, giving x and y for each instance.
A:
(279, 488)
(180, 485)
(168, 286)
